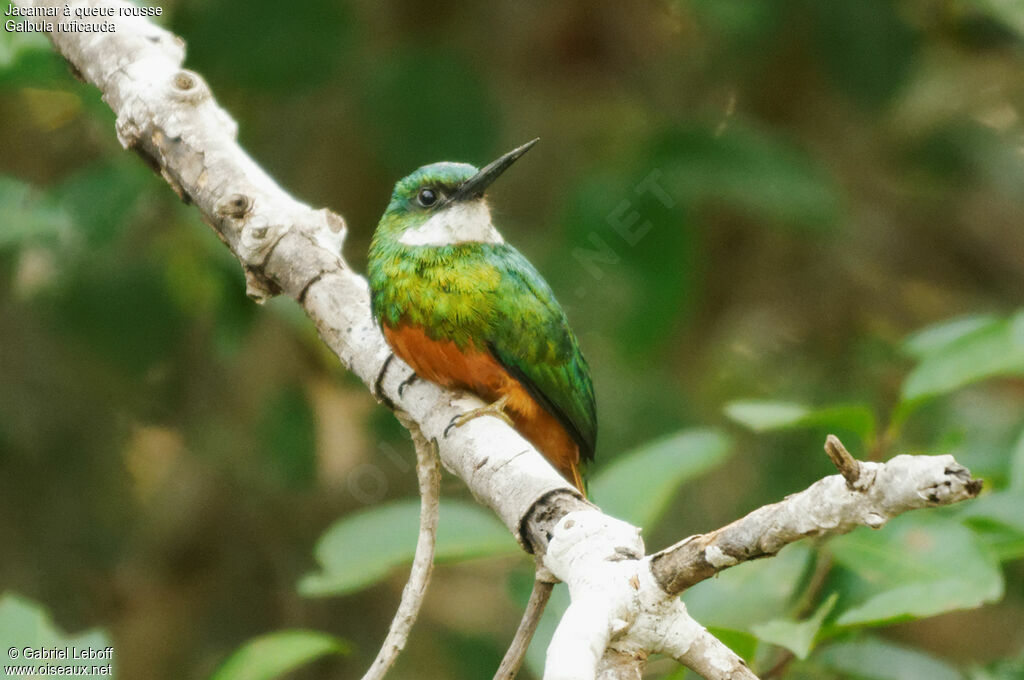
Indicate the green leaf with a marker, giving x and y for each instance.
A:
(992, 349)
(103, 196)
(13, 45)
(1017, 464)
(408, 130)
(1008, 12)
(1002, 507)
(736, 23)
(638, 486)
(1002, 669)
(24, 623)
(960, 155)
(796, 636)
(937, 337)
(865, 47)
(1006, 544)
(271, 656)
(362, 549)
(916, 568)
(28, 60)
(878, 660)
(750, 593)
(766, 416)
(651, 240)
(122, 314)
(919, 601)
(288, 436)
(299, 50)
(749, 169)
(762, 416)
(745, 644)
(29, 214)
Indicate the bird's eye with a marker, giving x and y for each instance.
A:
(426, 197)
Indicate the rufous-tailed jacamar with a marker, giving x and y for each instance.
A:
(466, 310)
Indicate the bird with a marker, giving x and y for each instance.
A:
(466, 310)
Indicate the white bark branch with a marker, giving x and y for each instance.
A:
(832, 505)
(428, 473)
(708, 657)
(624, 605)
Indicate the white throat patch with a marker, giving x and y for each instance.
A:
(458, 223)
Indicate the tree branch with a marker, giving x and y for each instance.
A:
(624, 605)
(832, 505)
(513, 659)
(428, 473)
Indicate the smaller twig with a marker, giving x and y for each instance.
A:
(428, 474)
(785, 658)
(807, 603)
(847, 465)
(527, 626)
(880, 448)
(803, 608)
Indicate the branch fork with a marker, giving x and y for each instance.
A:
(627, 605)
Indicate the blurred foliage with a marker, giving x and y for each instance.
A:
(275, 654)
(767, 221)
(26, 625)
(639, 486)
(995, 347)
(388, 535)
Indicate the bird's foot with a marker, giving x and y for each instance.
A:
(378, 384)
(496, 409)
(405, 383)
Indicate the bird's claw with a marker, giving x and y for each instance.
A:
(378, 384)
(496, 409)
(405, 383)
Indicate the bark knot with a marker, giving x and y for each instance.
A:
(235, 206)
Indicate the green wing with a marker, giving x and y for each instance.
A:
(530, 336)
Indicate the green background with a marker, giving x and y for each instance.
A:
(832, 178)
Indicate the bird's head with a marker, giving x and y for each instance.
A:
(443, 204)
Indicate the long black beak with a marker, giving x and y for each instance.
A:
(475, 185)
